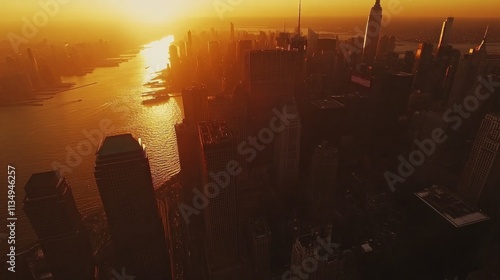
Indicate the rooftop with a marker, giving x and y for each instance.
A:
(327, 104)
(215, 132)
(42, 184)
(451, 207)
(260, 229)
(119, 144)
(399, 73)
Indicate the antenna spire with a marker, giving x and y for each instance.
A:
(300, 14)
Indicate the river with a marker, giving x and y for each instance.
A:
(35, 139)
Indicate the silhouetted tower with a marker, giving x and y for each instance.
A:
(51, 209)
(232, 31)
(221, 217)
(123, 177)
(480, 178)
(372, 33)
(298, 41)
(444, 39)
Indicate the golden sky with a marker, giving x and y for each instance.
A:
(161, 11)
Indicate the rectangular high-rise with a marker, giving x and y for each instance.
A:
(444, 39)
(422, 64)
(270, 77)
(221, 219)
(260, 236)
(287, 148)
(194, 100)
(480, 179)
(51, 209)
(123, 177)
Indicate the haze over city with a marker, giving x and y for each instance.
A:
(250, 140)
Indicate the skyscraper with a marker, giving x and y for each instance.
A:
(194, 100)
(322, 191)
(422, 64)
(270, 77)
(480, 179)
(188, 145)
(444, 39)
(372, 33)
(260, 235)
(221, 220)
(51, 209)
(287, 149)
(123, 177)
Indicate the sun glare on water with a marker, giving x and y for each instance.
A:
(156, 56)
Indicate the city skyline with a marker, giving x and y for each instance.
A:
(253, 148)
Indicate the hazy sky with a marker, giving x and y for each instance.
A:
(155, 11)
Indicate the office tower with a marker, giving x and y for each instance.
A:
(51, 209)
(174, 56)
(323, 171)
(322, 192)
(386, 45)
(327, 44)
(422, 65)
(221, 222)
(260, 249)
(270, 77)
(194, 100)
(188, 145)
(123, 177)
(232, 32)
(312, 41)
(391, 104)
(444, 39)
(425, 123)
(394, 92)
(243, 46)
(283, 40)
(287, 149)
(215, 53)
(475, 63)
(182, 49)
(480, 178)
(482, 47)
(372, 33)
(189, 47)
(221, 108)
(409, 61)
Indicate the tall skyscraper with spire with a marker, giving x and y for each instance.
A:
(372, 33)
(298, 41)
